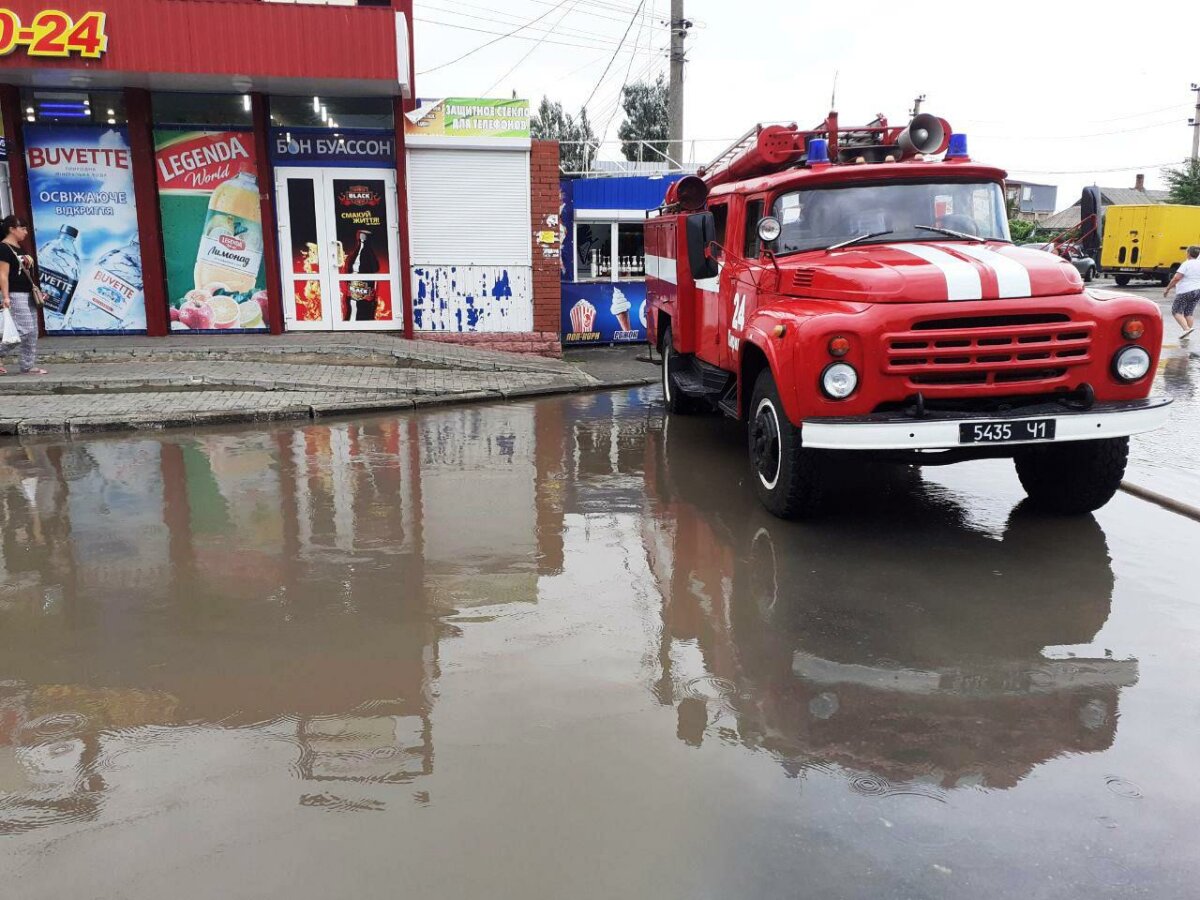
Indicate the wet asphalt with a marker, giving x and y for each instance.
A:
(556, 648)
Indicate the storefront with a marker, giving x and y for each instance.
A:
(604, 258)
(194, 166)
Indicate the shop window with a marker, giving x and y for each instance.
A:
(332, 112)
(631, 251)
(202, 109)
(73, 107)
(593, 251)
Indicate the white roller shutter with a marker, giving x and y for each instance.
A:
(469, 207)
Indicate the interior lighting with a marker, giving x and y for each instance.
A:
(111, 113)
(29, 110)
(316, 104)
(112, 121)
(246, 102)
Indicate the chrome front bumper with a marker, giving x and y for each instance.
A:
(940, 431)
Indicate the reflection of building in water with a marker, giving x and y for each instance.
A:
(902, 643)
(282, 585)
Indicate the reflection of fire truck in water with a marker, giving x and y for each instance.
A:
(785, 642)
(843, 290)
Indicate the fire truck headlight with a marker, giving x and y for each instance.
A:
(1131, 363)
(839, 380)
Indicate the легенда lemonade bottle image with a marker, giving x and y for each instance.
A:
(229, 257)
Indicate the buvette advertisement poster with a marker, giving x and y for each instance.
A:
(81, 186)
(604, 313)
(212, 230)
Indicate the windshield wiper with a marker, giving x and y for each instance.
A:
(859, 239)
(957, 234)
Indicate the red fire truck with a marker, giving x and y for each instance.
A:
(854, 290)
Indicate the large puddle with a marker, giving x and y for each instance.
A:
(557, 649)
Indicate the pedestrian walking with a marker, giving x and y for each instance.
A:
(16, 286)
(1186, 285)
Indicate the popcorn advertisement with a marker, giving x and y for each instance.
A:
(212, 230)
(604, 313)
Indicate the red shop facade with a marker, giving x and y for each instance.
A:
(237, 166)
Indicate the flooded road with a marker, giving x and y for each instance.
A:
(557, 649)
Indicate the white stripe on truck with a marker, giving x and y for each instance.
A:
(661, 268)
(962, 278)
(1012, 276)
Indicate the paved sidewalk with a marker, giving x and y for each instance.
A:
(122, 383)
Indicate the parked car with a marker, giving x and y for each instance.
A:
(1085, 265)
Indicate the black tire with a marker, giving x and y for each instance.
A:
(787, 478)
(1090, 275)
(1073, 478)
(676, 402)
(1121, 280)
(1164, 280)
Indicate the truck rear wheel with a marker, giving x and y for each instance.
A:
(787, 477)
(1121, 280)
(1075, 477)
(677, 402)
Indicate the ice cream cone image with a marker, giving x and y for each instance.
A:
(620, 308)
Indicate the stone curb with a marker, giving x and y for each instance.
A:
(98, 424)
(1168, 503)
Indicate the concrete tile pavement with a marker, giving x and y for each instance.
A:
(122, 383)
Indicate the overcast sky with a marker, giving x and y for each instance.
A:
(1042, 89)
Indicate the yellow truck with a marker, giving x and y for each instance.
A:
(1147, 241)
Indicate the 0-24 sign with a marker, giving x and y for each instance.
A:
(54, 33)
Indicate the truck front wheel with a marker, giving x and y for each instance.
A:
(1075, 477)
(786, 477)
(677, 402)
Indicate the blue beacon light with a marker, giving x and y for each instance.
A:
(818, 151)
(958, 147)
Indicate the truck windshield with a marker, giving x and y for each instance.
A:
(822, 217)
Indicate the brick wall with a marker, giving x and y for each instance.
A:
(547, 280)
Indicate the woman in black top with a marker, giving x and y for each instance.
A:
(17, 291)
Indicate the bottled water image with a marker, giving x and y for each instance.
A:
(58, 262)
(110, 292)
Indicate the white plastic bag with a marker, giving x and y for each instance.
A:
(11, 336)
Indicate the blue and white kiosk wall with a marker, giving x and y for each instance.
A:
(604, 257)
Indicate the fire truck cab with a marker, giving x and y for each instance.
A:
(849, 291)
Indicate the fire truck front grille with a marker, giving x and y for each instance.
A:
(988, 350)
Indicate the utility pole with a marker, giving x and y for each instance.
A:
(1195, 123)
(679, 30)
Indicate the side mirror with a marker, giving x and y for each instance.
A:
(701, 231)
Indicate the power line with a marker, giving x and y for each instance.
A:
(508, 21)
(628, 28)
(628, 70)
(486, 43)
(516, 37)
(532, 49)
(1094, 171)
(1073, 137)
